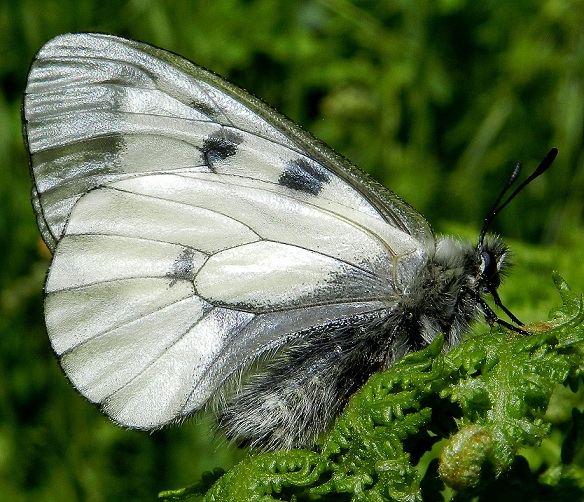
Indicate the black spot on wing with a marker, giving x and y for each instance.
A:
(182, 269)
(220, 145)
(303, 175)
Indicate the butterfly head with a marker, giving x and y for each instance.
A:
(492, 251)
(494, 262)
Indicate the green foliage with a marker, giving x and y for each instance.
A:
(486, 399)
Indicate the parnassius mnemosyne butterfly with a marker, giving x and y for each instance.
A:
(207, 249)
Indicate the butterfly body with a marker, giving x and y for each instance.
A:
(206, 249)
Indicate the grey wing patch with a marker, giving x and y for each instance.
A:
(183, 267)
(220, 145)
(305, 176)
(62, 173)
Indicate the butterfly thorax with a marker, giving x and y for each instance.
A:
(442, 296)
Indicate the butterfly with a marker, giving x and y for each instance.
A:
(209, 252)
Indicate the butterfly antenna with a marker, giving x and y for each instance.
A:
(498, 206)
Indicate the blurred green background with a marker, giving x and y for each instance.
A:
(436, 99)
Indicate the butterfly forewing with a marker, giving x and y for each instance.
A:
(194, 229)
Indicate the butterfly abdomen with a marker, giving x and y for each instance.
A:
(299, 394)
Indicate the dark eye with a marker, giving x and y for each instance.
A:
(490, 269)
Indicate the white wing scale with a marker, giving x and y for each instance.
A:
(193, 229)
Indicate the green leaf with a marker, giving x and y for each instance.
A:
(208, 479)
(484, 400)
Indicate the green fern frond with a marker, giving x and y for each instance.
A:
(485, 400)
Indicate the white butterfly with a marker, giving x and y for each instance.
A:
(200, 239)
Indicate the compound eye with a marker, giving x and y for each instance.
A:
(486, 261)
(490, 269)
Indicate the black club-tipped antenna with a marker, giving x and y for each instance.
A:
(498, 206)
(493, 212)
